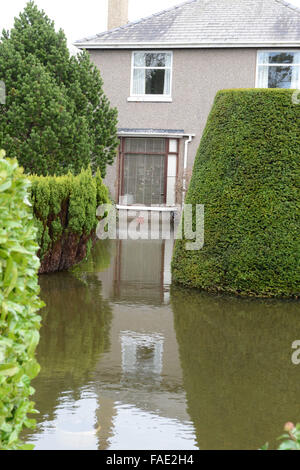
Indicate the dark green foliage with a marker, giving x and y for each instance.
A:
(102, 190)
(56, 116)
(65, 213)
(19, 304)
(247, 174)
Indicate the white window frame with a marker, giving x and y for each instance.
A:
(153, 98)
(272, 65)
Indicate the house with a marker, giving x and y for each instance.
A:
(163, 72)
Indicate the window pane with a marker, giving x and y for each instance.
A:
(173, 145)
(152, 59)
(263, 76)
(172, 165)
(281, 57)
(139, 59)
(263, 57)
(138, 87)
(160, 59)
(156, 145)
(144, 179)
(167, 85)
(155, 82)
(279, 77)
(145, 145)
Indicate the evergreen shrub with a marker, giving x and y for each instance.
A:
(247, 175)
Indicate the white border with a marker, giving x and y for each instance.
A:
(177, 45)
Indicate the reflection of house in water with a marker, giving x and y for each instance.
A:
(109, 356)
(139, 380)
(140, 271)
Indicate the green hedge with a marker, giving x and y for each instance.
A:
(19, 303)
(65, 213)
(247, 174)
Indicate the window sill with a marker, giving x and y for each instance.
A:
(152, 99)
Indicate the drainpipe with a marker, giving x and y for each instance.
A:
(185, 162)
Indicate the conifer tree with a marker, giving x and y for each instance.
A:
(56, 117)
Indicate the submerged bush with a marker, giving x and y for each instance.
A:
(247, 174)
(19, 303)
(65, 213)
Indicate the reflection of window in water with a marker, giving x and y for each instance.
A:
(145, 354)
(142, 354)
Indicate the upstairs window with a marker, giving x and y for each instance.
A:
(151, 74)
(280, 69)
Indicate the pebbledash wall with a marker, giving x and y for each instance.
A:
(197, 75)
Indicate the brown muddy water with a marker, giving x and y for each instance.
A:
(129, 362)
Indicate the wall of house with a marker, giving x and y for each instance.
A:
(197, 76)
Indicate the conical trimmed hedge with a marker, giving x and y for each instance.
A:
(247, 174)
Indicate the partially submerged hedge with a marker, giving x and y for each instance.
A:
(19, 303)
(65, 212)
(247, 174)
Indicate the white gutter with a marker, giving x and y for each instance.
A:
(177, 45)
(169, 135)
(185, 162)
(147, 208)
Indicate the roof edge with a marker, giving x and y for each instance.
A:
(171, 133)
(289, 5)
(188, 45)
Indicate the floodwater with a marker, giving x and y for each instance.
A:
(129, 362)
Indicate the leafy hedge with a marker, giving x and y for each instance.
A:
(19, 303)
(246, 173)
(65, 214)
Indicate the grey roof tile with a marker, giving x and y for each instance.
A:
(209, 22)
